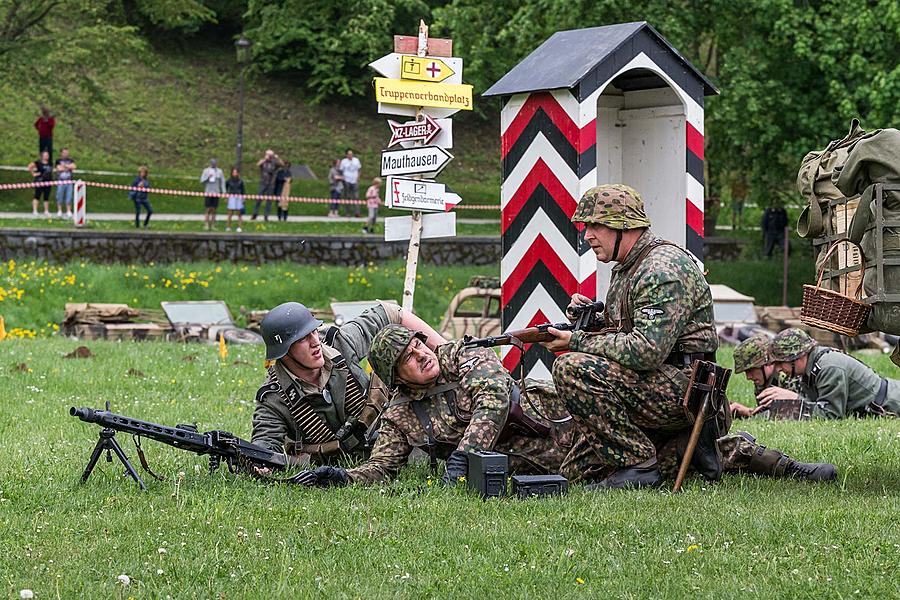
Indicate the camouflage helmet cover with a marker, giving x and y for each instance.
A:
(791, 344)
(752, 353)
(387, 346)
(614, 205)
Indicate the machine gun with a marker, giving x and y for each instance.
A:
(221, 446)
(588, 317)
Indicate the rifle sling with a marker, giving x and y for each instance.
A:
(144, 464)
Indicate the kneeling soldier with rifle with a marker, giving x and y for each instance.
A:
(625, 385)
(318, 404)
(455, 400)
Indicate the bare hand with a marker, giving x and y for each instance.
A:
(770, 394)
(740, 411)
(560, 340)
(577, 300)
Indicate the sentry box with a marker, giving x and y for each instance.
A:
(527, 486)
(487, 473)
(610, 104)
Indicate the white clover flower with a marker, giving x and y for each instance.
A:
(26, 594)
(125, 580)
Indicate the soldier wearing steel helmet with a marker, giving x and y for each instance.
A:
(624, 385)
(752, 358)
(454, 400)
(317, 402)
(837, 384)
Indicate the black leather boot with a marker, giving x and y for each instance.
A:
(645, 474)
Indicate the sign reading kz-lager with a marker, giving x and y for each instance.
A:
(414, 131)
(417, 194)
(444, 95)
(419, 160)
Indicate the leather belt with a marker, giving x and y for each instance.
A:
(683, 360)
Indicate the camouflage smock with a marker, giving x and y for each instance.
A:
(273, 424)
(669, 303)
(470, 417)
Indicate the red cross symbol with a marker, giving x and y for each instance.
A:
(434, 69)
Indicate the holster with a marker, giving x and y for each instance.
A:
(706, 393)
(518, 422)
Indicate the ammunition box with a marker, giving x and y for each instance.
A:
(487, 473)
(527, 486)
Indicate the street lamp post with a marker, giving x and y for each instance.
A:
(242, 45)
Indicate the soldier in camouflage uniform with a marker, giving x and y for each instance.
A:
(624, 385)
(836, 384)
(317, 401)
(751, 357)
(455, 400)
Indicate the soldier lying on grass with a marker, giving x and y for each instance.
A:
(752, 358)
(318, 404)
(457, 399)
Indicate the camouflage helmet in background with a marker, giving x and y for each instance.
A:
(791, 344)
(752, 353)
(284, 325)
(614, 205)
(387, 346)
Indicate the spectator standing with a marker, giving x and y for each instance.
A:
(235, 189)
(268, 168)
(42, 172)
(336, 183)
(213, 181)
(139, 197)
(373, 201)
(283, 190)
(350, 170)
(774, 220)
(44, 125)
(65, 171)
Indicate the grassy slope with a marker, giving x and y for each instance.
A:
(199, 535)
(178, 108)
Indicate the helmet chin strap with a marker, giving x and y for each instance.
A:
(615, 254)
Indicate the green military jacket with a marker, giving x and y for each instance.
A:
(668, 302)
(273, 425)
(842, 386)
(468, 417)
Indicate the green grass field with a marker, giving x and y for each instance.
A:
(33, 294)
(201, 535)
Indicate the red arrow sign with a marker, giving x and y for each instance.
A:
(414, 130)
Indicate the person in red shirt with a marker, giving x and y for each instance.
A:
(44, 125)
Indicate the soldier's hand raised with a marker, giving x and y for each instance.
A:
(577, 299)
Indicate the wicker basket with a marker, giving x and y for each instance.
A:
(832, 310)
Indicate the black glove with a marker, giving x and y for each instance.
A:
(457, 466)
(327, 476)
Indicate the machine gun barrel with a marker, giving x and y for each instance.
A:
(217, 444)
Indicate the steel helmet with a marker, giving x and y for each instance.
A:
(791, 344)
(614, 205)
(752, 353)
(387, 346)
(284, 325)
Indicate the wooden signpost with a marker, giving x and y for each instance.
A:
(422, 79)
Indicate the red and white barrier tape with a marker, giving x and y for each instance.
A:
(170, 192)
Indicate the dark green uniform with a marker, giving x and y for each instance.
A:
(839, 385)
(273, 424)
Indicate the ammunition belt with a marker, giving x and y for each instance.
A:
(313, 428)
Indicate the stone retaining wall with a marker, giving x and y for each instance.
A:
(60, 245)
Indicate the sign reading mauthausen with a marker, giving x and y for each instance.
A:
(414, 161)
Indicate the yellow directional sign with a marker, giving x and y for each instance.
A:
(447, 95)
(424, 69)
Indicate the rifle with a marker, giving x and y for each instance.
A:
(588, 317)
(221, 446)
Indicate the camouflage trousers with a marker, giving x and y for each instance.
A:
(564, 451)
(617, 409)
